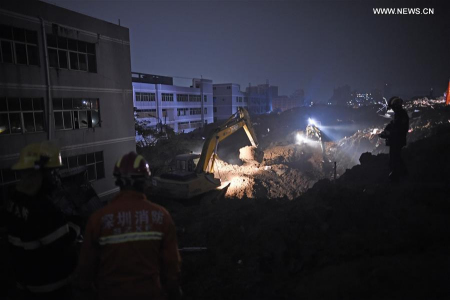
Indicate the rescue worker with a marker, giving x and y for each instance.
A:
(395, 135)
(43, 243)
(130, 248)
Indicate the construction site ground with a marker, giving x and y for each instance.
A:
(291, 225)
(287, 230)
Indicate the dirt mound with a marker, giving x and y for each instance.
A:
(250, 154)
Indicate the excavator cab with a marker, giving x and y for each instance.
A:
(184, 163)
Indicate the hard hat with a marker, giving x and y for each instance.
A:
(39, 155)
(395, 102)
(132, 165)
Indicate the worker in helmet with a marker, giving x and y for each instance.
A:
(395, 135)
(43, 243)
(130, 247)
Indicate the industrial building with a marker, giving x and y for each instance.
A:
(260, 98)
(183, 108)
(227, 98)
(62, 80)
(283, 103)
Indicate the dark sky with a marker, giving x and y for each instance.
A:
(314, 45)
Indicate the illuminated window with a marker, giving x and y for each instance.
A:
(76, 113)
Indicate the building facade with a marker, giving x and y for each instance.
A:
(157, 101)
(62, 80)
(283, 103)
(227, 97)
(260, 98)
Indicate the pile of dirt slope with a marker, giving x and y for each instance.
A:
(359, 237)
(283, 172)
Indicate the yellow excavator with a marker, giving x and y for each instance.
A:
(191, 175)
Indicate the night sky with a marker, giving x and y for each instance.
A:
(313, 45)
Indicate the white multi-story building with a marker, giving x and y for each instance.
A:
(157, 101)
(227, 98)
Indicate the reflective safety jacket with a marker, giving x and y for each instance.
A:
(42, 243)
(130, 246)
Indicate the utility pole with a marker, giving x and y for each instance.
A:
(201, 100)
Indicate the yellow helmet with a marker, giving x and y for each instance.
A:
(35, 156)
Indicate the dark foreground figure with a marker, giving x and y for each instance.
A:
(130, 248)
(395, 135)
(42, 242)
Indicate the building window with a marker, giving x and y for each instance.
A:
(205, 98)
(167, 97)
(182, 111)
(214, 109)
(195, 111)
(65, 53)
(145, 113)
(195, 98)
(245, 99)
(205, 111)
(93, 162)
(18, 46)
(196, 124)
(76, 113)
(228, 87)
(144, 96)
(238, 99)
(182, 98)
(183, 125)
(21, 115)
(8, 176)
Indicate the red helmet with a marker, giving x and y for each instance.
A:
(132, 165)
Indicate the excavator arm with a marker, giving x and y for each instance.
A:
(209, 152)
